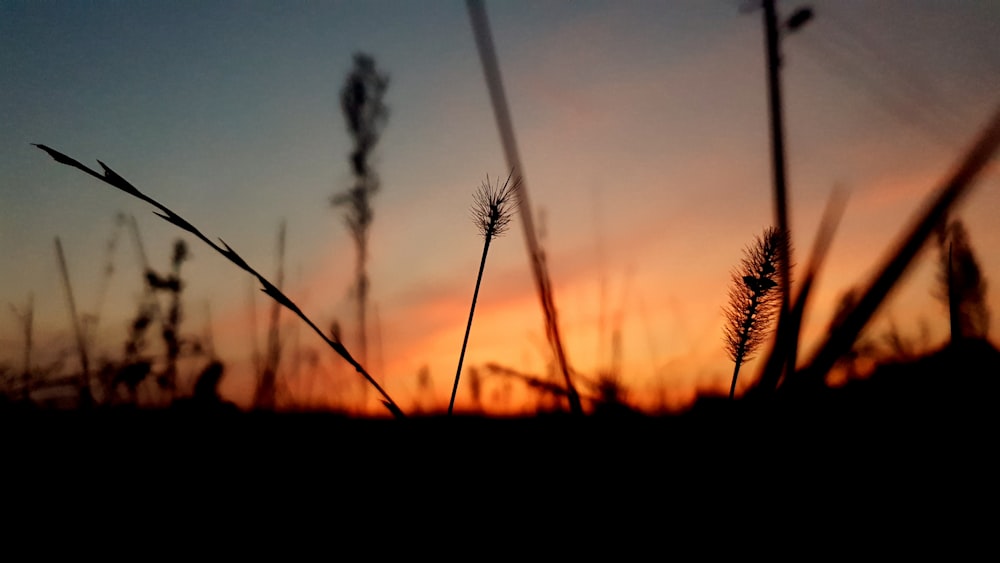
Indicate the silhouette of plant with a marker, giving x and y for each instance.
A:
(366, 115)
(492, 210)
(476, 389)
(112, 178)
(136, 366)
(206, 388)
(607, 394)
(963, 287)
(172, 285)
(265, 395)
(782, 360)
(539, 268)
(26, 319)
(753, 298)
(955, 186)
(86, 397)
(425, 390)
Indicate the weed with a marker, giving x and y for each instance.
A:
(112, 178)
(366, 115)
(753, 297)
(492, 210)
(963, 287)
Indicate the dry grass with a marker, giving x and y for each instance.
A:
(492, 210)
(112, 178)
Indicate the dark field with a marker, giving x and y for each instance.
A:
(936, 409)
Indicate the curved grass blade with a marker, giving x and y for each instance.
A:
(112, 178)
(843, 335)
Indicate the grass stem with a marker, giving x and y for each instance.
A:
(112, 178)
(468, 326)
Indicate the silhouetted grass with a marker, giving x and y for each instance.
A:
(843, 335)
(963, 287)
(492, 212)
(543, 284)
(366, 115)
(265, 392)
(86, 397)
(754, 296)
(783, 356)
(111, 178)
(26, 318)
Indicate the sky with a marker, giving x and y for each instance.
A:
(643, 133)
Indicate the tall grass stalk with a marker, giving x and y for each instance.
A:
(265, 394)
(753, 297)
(170, 326)
(366, 115)
(772, 31)
(86, 399)
(492, 212)
(149, 306)
(963, 287)
(94, 319)
(782, 359)
(505, 125)
(26, 319)
(112, 178)
(955, 186)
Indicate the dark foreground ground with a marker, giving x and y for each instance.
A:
(920, 432)
(901, 465)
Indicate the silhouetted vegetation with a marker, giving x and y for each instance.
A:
(960, 378)
(754, 297)
(366, 115)
(963, 287)
(494, 205)
(112, 178)
(265, 393)
(539, 268)
(842, 336)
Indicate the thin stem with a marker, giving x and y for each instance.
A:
(748, 323)
(112, 178)
(957, 185)
(81, 346)
(468, 326)
(778, 156)
(736, 372)
(494, 83)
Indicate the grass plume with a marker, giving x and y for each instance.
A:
(492, 208)
(754, 296)
(112, 178)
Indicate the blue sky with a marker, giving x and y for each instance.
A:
(642, 127)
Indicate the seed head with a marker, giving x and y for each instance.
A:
(754, 296)
(493, 205)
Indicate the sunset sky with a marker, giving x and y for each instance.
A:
(643, 131)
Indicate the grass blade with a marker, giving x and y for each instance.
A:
(782, 358)
(112, 178)
(843, 335)
(494, 83)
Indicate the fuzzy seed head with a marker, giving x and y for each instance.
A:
(754, 297)
(494, 205)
